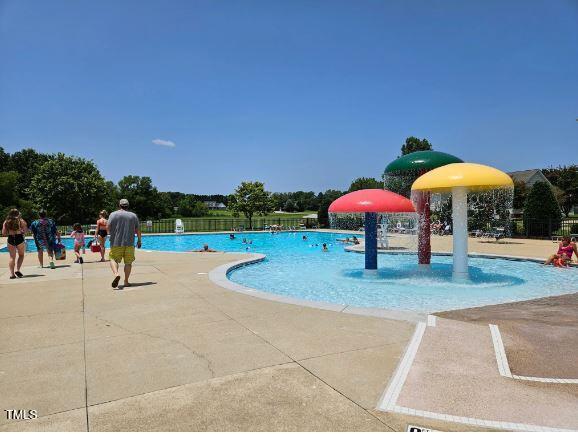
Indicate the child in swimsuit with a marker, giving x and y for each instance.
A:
(78, 236)
(564, 255)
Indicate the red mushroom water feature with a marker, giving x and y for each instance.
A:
(371, 202)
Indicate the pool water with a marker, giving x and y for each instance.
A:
(300, 269)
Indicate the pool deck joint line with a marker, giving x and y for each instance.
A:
(393, 390)
(504, 366)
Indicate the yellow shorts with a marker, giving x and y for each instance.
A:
(119, 253)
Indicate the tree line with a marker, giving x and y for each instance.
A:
(71, 189)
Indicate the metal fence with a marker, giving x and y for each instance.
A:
(535, 228)
(219, 224)
(210, 224)
(520, 228)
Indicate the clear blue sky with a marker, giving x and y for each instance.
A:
(298, 94)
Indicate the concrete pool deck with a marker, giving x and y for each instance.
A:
(178, 352)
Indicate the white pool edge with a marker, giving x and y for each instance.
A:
(219, 277)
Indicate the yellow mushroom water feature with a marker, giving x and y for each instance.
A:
(459, 179)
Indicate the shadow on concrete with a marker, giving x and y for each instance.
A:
(499, 242)
(135, 285)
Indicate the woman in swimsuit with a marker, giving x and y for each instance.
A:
(14, 228)
(565, 250)
(102, 232)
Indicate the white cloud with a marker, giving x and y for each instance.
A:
(167, 143)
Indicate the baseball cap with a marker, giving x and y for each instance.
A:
(123, 202)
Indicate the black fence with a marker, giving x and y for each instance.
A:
(202, 224)
(220, 224)
(534, 228)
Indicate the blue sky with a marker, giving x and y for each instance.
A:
(298, 94)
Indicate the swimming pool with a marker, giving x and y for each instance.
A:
(300, 269)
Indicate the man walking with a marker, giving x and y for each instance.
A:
(122, 225)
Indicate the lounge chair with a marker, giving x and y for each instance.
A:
(498, 233)
(179, 227)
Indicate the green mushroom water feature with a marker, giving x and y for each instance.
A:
(399, 176)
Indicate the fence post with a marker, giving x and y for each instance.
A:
(550, 226)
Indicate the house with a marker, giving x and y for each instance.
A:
(211, 204)
(529, 177)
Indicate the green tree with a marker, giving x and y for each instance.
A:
(520, 195)
(363, 183)
(541, 211)
(565, 178)
(290, 206)
(189, 206)
(71, 189)
(144, 198)
(250, 198)
(413, 144)
(325, 200)
(111, 197)
(8, 189)
(27, 163)
(4, 160)
(279, 200)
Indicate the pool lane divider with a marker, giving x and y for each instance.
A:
(504, 366)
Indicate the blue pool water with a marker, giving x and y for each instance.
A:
(299, 269)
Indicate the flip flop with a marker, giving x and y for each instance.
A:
(19, 274)
(12, 277)
(115, 281)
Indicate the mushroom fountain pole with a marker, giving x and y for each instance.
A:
(460, 230)
(408, 166)
(459, 178)
(370, 202)
(371, 241)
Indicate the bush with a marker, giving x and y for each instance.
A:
(542, 214)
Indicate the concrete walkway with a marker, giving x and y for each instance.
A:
(455, 375)
(176, 352)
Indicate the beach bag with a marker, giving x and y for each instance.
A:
(60, 252)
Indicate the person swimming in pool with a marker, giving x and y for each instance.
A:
(566, 249)
(304, 238)
(231, 236)
(325, 249)
(205, 249)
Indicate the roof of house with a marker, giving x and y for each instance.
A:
(526, 175)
